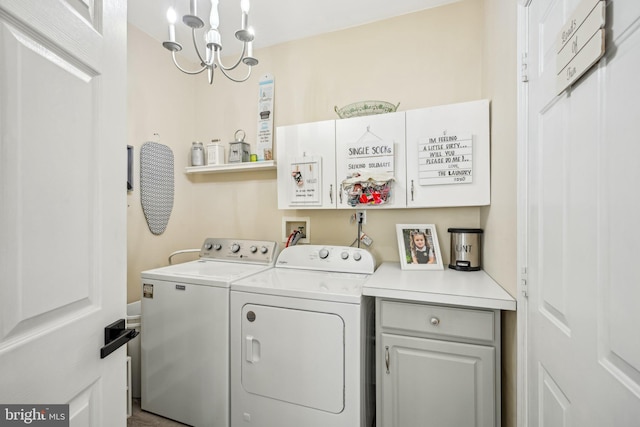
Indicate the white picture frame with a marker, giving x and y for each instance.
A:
(411, 256)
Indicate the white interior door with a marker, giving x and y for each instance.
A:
(582, 200)
(62, 205)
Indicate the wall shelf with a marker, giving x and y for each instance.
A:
(233, 167)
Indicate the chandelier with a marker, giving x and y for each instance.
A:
(213, 45)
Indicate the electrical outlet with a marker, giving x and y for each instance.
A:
(361, 216)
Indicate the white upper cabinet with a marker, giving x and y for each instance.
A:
(448, 155)
(430, 157)
(371, 147)
(306, 160)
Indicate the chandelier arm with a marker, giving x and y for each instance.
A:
(195, 46)
(236, 80)
(173, 55)
(244, 50)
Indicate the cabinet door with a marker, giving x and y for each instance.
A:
(376, 144)
(448, 159)
(435, 383)
(306, 159)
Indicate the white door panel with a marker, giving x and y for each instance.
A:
(61, 284)
(446, 383)
(583, 355)
(63, 203)
(295, 356)
(618, 274)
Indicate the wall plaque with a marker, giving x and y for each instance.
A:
(445, 159)
(580, 43)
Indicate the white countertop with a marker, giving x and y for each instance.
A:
(463, 288)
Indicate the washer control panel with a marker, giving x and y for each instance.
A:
(342, 259)
(240, 250)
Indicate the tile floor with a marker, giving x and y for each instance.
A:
(140, 418)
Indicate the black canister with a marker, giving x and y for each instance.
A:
(466, 249)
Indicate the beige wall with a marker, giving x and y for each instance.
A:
(428, 58)
(422, 59)
(455, 53)
(499, 220)
(160, 100)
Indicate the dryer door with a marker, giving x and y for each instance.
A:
(295, 356)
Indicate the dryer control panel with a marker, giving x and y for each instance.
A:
(341, 259)
(240, 250)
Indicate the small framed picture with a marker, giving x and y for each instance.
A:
(419, 247)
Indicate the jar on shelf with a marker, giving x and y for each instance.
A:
(215, 153)
(197, 154)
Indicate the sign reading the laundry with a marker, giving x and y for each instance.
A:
(371, 154)
(580, 43)
(445, 159)
(305, 180)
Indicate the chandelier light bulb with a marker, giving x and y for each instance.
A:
(214, 18)
(245, 6)
(171, 17)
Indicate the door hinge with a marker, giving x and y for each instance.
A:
(523, 282)
(524, 72)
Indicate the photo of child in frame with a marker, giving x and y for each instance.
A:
(421, 247)
(418, 247)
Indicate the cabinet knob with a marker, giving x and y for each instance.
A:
(435, 321)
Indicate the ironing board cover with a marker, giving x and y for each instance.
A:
(156, 185)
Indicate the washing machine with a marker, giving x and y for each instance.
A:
(185, 330)
(302, 341)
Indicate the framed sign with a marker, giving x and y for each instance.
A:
(418, 246)
(305, 180)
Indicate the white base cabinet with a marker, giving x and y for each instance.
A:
(436, 365)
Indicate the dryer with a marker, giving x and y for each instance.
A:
(185, 330)
(302, 341)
